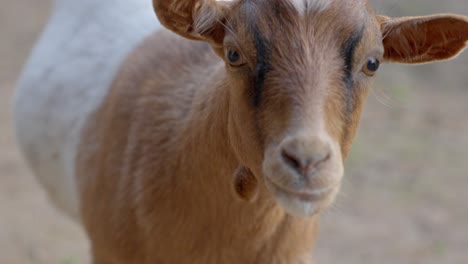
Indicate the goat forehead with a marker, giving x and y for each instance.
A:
(279, 20)
(281, 35)
(288, 44)
(307, 6)
(273, 12)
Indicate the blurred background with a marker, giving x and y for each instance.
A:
(405, 192)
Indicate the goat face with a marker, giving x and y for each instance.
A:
(298, 72)
(300, 76)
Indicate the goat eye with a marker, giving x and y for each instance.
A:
(234, 57)
(371, 66)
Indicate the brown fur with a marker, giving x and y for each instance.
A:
(168, 163)
(158, 159)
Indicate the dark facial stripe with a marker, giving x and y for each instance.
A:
(348, 51)
(262, 67)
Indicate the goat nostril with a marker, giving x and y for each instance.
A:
(303, 167)
(292, 160)
(313, 164)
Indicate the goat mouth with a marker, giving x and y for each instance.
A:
(308, 195)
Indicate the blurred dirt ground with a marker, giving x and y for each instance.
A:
(406, 185)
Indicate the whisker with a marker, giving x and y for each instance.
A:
(386, 100)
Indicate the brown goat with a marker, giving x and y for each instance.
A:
(229, 156)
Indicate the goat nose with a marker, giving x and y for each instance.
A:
(304, 159)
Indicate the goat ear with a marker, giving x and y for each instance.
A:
(193, 19)
(423, 39)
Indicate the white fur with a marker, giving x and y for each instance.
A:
(306, 6)
(67, 77)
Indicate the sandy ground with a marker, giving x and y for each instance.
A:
(404, 195)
